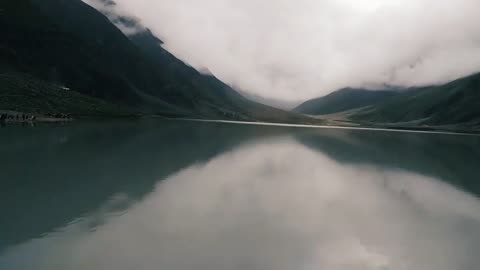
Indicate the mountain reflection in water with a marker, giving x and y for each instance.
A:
(186, 195)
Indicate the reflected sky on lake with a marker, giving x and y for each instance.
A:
(272, 199)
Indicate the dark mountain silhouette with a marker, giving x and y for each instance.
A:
(344, 100)
(68, 43)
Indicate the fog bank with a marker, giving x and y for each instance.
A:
(296, 50)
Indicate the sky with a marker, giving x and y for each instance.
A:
(296, 50)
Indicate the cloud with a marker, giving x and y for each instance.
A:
(123, 20)
(295, 50)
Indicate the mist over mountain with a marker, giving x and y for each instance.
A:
(298, 50)
(116, 61)
(71, 44)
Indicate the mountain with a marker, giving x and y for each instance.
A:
(455, 103)
(273, 102)
(208, 93)
(70, 44)
(344, 100)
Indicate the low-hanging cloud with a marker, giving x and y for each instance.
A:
(295, 50)
(123, 20)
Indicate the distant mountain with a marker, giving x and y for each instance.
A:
(273, 102)
(344, 100)
(69, 43)
(455, 103)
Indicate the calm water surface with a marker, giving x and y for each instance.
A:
(210, 196)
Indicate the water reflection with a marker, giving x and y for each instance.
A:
(235, 197)
(448, 158)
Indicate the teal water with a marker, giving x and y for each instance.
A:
(215, 196)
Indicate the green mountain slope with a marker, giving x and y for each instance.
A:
(27, 94)
(205, 93)
(68, 43)
(55, 48)
(343, 100)
(454, 103)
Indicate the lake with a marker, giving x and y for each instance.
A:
(182, 195)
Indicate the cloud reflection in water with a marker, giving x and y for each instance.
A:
(275, 205)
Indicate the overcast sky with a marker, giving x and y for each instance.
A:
(296, 50)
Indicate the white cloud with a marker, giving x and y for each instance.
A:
(295, 50)
(118, 16)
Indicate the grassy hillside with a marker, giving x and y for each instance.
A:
(343, 100)
(455, 105)
(26, 94)
(457, 102)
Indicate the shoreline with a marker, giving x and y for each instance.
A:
(17, 117)
(358, 127)
(42, 118)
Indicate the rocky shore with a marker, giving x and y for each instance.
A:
(22, 117)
